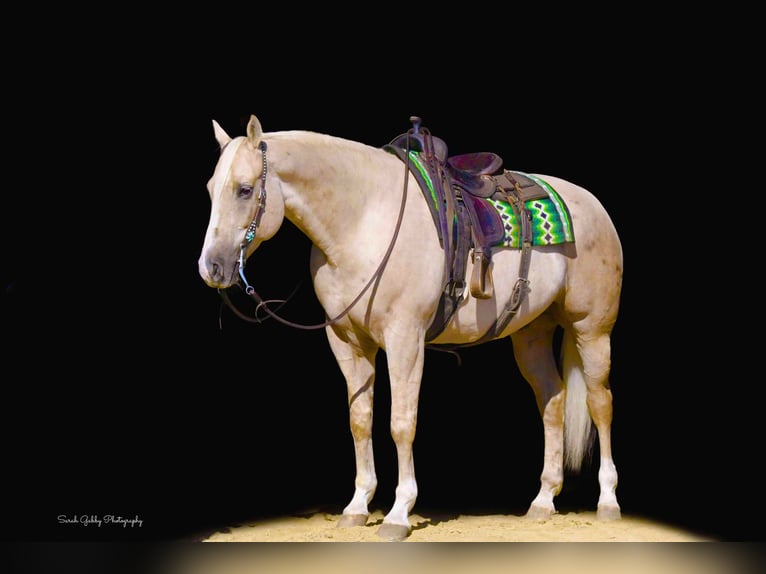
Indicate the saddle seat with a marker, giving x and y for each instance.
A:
(470, 171)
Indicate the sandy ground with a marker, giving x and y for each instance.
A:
(319, 526)
(545, 553)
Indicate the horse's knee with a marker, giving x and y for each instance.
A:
(403, 429)
(360, 421)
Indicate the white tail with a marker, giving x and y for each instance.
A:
(578, 438)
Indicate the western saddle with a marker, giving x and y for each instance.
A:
(456, 189)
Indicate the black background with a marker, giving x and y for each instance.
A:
(130, 390)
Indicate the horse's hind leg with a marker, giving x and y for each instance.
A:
(358, 367)
(591, 364)
(533, 349)
(567, 414)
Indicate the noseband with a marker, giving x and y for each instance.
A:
(250, 235)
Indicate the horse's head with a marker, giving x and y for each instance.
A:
(247, 206)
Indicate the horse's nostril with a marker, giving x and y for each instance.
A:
(216, 271)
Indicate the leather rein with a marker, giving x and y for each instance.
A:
(250, 235)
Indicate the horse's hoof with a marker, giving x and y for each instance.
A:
(393, 532)
(539, 513)
(349, 520)
(608, 513)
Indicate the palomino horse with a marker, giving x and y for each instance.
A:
(378, 268)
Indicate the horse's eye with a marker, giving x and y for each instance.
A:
(245, 191)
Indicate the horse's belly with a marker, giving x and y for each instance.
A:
(474, 317)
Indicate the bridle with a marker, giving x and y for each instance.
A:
(250, 236)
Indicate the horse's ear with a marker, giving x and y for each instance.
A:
(254, 130)
(221, 136)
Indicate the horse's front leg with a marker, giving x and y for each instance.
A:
(358, 368)
(405, 366)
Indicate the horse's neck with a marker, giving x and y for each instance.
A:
(330, 185)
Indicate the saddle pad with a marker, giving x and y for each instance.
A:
(551, 221)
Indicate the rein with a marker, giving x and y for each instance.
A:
(250, 235)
